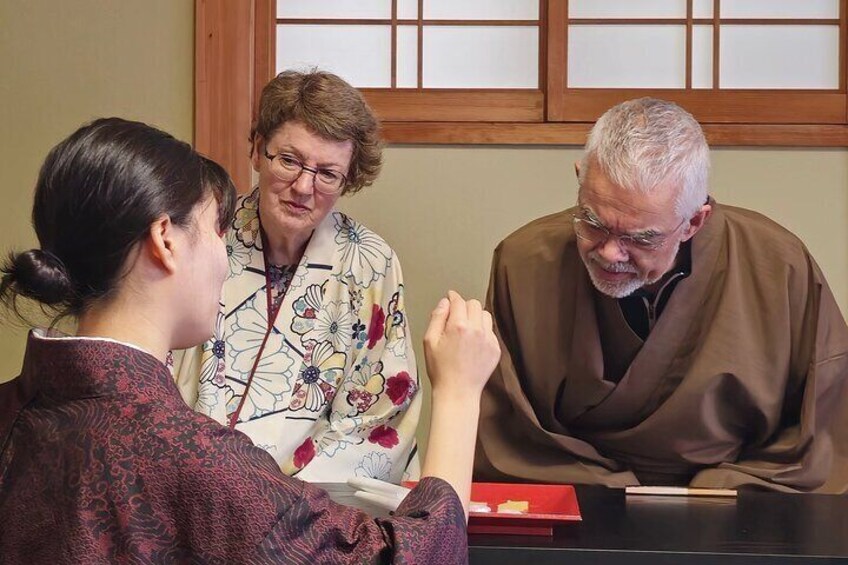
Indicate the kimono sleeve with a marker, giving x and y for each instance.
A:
(810, 450)
(373, 417)
(428, 527)
(510, 435)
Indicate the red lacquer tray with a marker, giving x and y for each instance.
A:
(549, 505)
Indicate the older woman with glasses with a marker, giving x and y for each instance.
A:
(312, 356)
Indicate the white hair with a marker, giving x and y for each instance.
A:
(641, 144)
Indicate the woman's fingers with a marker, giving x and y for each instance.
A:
(474, 312)
(438, 319)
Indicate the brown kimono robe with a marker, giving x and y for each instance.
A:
(742, 380)
(102, 462)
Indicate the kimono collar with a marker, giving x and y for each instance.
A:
(74, 368)
(587, 398)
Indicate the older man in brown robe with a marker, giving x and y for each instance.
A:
(653, 336)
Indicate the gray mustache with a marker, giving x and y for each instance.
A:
(613, 267)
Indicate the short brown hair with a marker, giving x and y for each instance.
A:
(329, 107)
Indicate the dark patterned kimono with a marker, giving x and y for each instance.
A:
(102, 461)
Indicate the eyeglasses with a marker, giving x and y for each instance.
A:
(288, 168)
(591, 229)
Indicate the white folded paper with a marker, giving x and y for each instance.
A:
(383, 494)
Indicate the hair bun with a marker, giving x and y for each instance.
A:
(39, 275)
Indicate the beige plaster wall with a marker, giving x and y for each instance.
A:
(66, 63)
(444, 209)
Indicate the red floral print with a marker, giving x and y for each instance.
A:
(399, 388)
(377, 326)
(384, 436)
(304, 454)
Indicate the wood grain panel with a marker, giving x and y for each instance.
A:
(457, 105)
(722, 106)
(224, 85)
(265, 48)
(718, 135)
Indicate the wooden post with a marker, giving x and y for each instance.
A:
(224, 84)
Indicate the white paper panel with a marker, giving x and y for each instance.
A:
(407, 9)
(359, 54)
(481, 57)
(329, 9)
(702, 56)
(627, 8)
(702, 8)
(407, 57)
(780, 9)
(627, 56)
(481, 9)
(779, 56)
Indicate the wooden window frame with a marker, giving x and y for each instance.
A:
(710, 105)
(235, 50)
(234, 58)
(418, 104)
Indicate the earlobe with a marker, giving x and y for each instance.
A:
(161, 243)
(698, 221)
(255, 154)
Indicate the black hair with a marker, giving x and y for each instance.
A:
(97, 194)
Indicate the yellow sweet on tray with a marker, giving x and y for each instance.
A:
(513, 507)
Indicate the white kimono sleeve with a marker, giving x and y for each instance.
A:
(372, 420)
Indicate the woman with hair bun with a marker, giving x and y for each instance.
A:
(100, 458)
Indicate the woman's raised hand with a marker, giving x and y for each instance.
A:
(460, 348)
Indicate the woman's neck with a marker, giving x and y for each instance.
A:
(283, 250)
(119, 321)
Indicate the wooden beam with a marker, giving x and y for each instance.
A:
(457, 105)
(265, 48)
(224, 84)
(718, 106)
(718, 135)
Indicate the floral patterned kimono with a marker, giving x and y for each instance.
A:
(329, 387)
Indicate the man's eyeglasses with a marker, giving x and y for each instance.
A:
(288, 168)
(591, 229)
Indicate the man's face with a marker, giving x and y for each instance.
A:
(618, 265)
